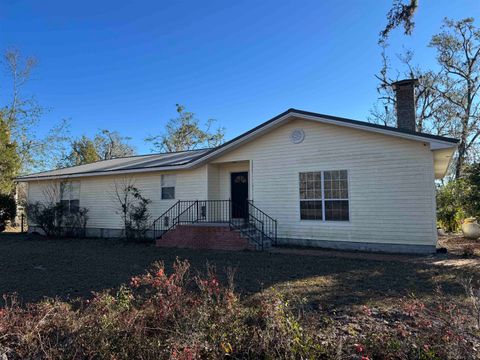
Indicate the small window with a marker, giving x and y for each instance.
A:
(168, 187)
(324, 195)
(70, 196)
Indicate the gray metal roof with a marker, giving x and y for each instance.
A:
(183, 159)
(152, 161)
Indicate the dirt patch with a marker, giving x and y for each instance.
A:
(458, 245)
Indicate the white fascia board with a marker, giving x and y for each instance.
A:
(241, 140)
(434, 143)
(102, 173)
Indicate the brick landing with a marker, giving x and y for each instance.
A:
(218, 237)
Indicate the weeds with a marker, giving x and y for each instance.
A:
(185, 316)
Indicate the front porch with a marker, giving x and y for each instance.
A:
(227, 219)
(230, 180)
(189, 223)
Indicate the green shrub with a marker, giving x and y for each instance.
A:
(471, 199)
(8, 210)
(55, 220)
(459, 199)
(451, 205)
(46, 216)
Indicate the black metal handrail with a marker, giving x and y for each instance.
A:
(269, 224)
(169, 218)
(219, 211)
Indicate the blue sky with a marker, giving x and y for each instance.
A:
(123, 65)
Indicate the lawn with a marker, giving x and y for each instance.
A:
(34, 267)
(292, 303)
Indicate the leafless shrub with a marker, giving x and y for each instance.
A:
(472, 290)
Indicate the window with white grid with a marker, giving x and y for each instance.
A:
(168, 187)
(324, 195)
(70, 196)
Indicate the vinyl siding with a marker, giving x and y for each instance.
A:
(391, 182)
(98, 194)
(213, 182)
(225, 171)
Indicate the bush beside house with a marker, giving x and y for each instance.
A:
(55, 219)
(459, 199)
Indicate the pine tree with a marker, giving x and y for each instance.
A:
(83, 152)
(9, 158)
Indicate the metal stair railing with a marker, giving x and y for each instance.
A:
(169, 218)
(269, 224)
(256, 225)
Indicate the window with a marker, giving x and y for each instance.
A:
(168, 187)
(311, 196)
(70, 193)
(336, 195)
(324, 195)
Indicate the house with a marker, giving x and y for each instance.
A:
(300, 178)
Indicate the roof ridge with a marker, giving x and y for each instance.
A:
(379, 126)
(205, 152)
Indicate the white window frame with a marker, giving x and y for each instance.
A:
(323, 199)
(70, 193)
(320, 199)
(172, 183)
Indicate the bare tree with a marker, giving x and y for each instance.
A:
(430, 105)
(458, 54)
(52, 192)
(448, 100)
(23, 115)
(132, 207)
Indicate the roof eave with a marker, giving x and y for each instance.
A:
(435, 143)
(101, 173)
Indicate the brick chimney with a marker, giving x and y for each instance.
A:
(405, 94)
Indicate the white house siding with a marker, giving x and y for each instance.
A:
(391, 183)
(97, 194)
(224, 172)
(213, 183)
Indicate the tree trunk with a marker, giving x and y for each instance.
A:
(461, 158)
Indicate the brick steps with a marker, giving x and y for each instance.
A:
(202, 236)
(255, 236)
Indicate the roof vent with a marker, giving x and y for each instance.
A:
(405, 99)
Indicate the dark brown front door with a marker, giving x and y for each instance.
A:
(239, 189)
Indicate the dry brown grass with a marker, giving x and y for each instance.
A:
(458, 245)
(35, 267)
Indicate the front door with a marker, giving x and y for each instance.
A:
(239, 195)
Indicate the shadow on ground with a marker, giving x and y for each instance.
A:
(35, 267)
